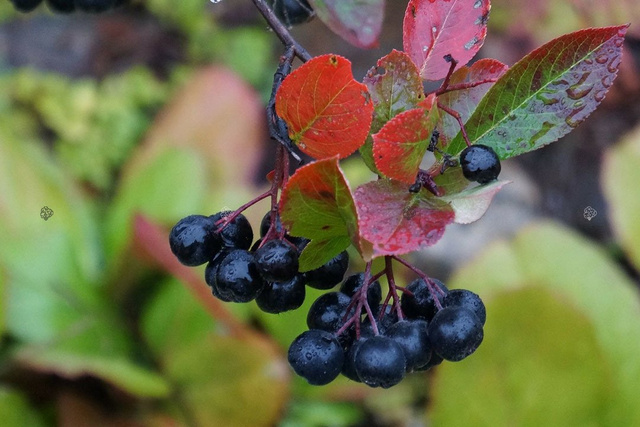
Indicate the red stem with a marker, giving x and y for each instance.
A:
(458, 118)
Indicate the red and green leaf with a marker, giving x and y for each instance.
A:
(396, 221)
(547, 94)
(470, 205)
(474, 81)
(327, 111)
(435, 28)
(401, 144)
(358, 22)
(317, 204)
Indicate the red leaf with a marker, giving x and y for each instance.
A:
(317, 204)
(396, 221)
(327, 111)
(358, 22)
(475, 82)
(435, 28)
(401, 144)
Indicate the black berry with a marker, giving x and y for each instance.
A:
(237, 234)
(193, 240)
(420, 304)
(328, 311)
(277, 261)
(480, 163)
(266, 223)
(354, 283)
(292, 12)
(316, 356)
(455, 333)
(238, 277)
(413, 337)
(26, 5)
(279, 297)
(329, 274)
(380, 362)
(61, 6)
(467, 299)
(210, 276)
(94, 6)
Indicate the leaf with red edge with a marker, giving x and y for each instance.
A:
(396, 221)
(470, 205)
(358, 22)
(546, 94)
(395, 86)
(435, 28)
(317, 204)
(474, 82)
(401, 144)
(327, 111)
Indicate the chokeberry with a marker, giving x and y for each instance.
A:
(435, 360)
(328, 311)
(277, 261)
(265, 224)
(467, 299)
(210, 276)
(316, 356)
(329, 274)
(455, 333)
(193, 240)
(61, 6)
(380, 362)
(292, 12)
(354, 283)
(238, 277)
(349, 365)
(279, 297)
(413, 337)
(25, 5)
(94, 6)
(420, 304)
(480, 163)
(237, 234)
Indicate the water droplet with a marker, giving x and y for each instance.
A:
(471, 43)
(308, 354)
(606, 81)
(611, 51)
(425, 48)
(602, 59)
(618, 42)
(599, 96)
(477, 4)
(215, 1)
(613, 65)
(579, 104)
(588, 61)
(434, 29)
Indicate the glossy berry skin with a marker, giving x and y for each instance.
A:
(455, 333)
(277, 261)
(329, 274)
(354, 283)
(284, 296)
(349, 365)
(238, 234)
(238, 278)
(434, 361)
(467, 299)
(94, 6)
(413, 337)
(193, 240)
(316, 356)
(380, 362)
(266, 223)
(421, 304)
(61, 6)
(327, 312)
(210, 276)
(25, 5)
(480, 163)
(292, 12)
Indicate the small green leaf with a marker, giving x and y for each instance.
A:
(546, 94)
(470, 205)
(621, 173)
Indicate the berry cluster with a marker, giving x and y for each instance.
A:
(238, 271)
(430, 324)
(68, 6)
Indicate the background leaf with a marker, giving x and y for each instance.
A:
(396, 221)
(433, 29)
(395, 86)
(327, 111)
(15, 410)
(470, 205)
(357, 21)
(620, 174)
(554, 284)
(546, 94)
(465, 101)
(401, 144)
(317, 204)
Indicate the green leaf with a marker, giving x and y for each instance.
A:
(317, 204)
(217, 376)
(15, 410)
(582, 317)
(621, 173)
(546, 94)
(470, 205)
(359, 22)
